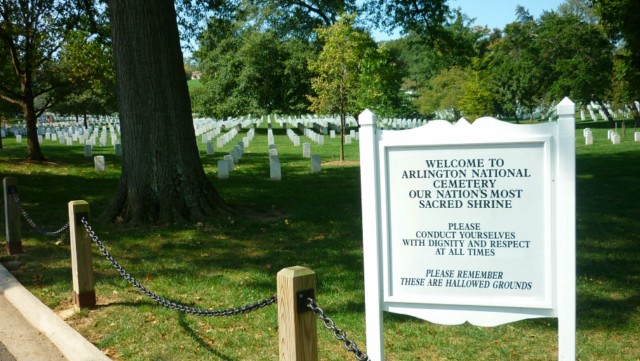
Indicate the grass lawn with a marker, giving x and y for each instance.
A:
(233, 261)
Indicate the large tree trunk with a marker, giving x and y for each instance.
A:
(33, 144)
(29, 111)
(162, 176)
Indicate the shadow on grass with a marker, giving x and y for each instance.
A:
(608, 239)
(198, 339)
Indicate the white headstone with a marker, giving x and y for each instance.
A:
(615, 138)
(316, 165)
(306, 150)
(588, 139)
(223, 169)
(18, 138)
(229, 159)
(636, 136)
(275, 172)
(210, 150)
(98, 162)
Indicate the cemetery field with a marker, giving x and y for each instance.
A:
(312, 220)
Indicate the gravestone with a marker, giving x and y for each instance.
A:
(118, 149)
(210, 149)
(615, 138)
(332, 134)
(588, 139)
(636, 136)
(98, 162)
(306, 150)
(223, 169)
(275, 171)
(229, 159)
(18, 138)
(316, 165)
(88, 150)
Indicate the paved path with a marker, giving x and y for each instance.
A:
(20, 340)
(31, 331)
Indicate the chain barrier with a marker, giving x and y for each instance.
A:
(167, 303)
(339, 334)
(29, 220)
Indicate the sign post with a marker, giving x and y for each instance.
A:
(470, 223)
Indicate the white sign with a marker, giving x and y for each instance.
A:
(448, 242)
(470, 223)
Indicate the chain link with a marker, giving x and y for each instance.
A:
(33, 225)
(167, 303)
(338, 333)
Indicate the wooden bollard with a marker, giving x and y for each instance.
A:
(11, 216)
(84, 295)
(297, 332)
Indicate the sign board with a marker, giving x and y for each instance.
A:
(470, 223)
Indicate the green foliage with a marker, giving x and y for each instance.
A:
(338, 67)
(251, 72)
(422, 17)
(88, 64)
(445, 91)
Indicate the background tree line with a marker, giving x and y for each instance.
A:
(442, 62)
(290, 57)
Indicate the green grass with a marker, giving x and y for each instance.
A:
(233, 261)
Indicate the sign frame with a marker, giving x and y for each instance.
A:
(554, 142)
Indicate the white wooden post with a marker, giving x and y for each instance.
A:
(566, 230)
(370, 233)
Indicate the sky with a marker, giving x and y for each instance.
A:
(493, 13)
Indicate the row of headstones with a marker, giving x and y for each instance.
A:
(612, 136)
(347, 138)
(311, 121)
(70, 136)
(400, 124)
(275, 168)
(318, 138)
(226, 165)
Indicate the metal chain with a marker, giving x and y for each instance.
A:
(170, 304)
(33, 225)
(338, 333)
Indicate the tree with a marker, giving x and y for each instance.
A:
(424, 17)
(252, 72)
(579, 57)
(91, 62)
(445, 92)
(620, 19)
(162, 177)
(31, 35)
(516, 72)
(338, 71)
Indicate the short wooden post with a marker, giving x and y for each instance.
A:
(296, 322)
(12, 216)
(84, 295)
